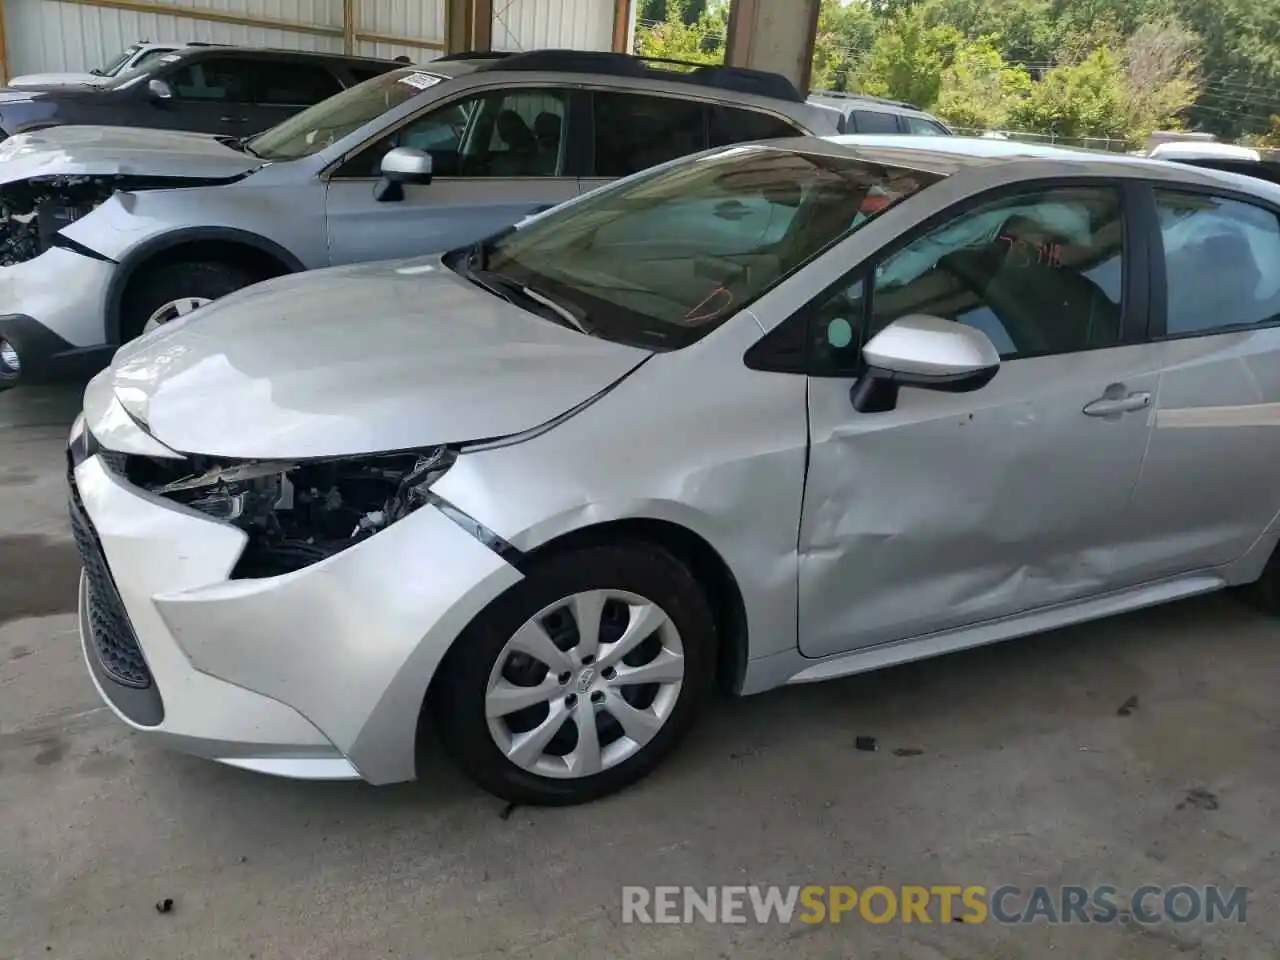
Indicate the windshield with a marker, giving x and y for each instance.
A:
(342, 114)
(118, 63)
(143, 70)
(661, 260)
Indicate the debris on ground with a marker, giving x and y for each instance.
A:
(165, 905)
(1128, 706)
(908, 752)
(867, 744)
(1200, 799)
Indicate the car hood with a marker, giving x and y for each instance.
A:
(109, 151)
(353, 360)
(56, 80)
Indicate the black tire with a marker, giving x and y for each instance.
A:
(1264, 593)
(457, 702)
(163, 283)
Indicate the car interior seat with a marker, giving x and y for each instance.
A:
(1046, 303)
(546, 134)
(518, 159)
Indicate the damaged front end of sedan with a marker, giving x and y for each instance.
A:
(295, 513)
(34, 211)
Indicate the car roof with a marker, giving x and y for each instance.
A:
(947, 156)
(721, 84)
(955, 153)
(188, 52)
(848, 102)
(627, 70)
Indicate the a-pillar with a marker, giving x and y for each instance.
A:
(775, 35)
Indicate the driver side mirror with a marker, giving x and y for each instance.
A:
(402, 165)
(925, 352)
(160, 90)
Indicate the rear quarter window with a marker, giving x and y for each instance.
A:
(874, 121)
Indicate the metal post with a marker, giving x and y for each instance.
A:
(4, 48)
(468, 25)
(773, 35)
(623, 25)
(348, 26)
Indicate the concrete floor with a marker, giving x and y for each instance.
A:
(1026, 775)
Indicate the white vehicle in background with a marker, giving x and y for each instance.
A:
(133, 57)
(1188, 151)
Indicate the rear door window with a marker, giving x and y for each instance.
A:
(1222, 263)
(874, 121)
(281, 83)
(636, 131)
(731, 125)
(924, 128)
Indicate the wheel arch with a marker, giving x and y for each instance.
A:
(263, 256)
(699, 557)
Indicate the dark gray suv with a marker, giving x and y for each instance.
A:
(231, 91)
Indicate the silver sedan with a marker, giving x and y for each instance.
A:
(773, 414)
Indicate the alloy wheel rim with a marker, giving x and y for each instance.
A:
(172, 310)
(584, 684)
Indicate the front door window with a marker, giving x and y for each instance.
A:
(516, 133)
(1039, 274)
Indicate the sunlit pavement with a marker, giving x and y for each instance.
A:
(1017, 768)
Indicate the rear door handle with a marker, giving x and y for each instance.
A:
(234, 119)
(1116, 406)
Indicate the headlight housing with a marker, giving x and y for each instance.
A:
(298, 512)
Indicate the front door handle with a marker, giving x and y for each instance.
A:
(234, 119)
(1112, 406)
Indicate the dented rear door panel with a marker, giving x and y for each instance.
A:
(958, 508)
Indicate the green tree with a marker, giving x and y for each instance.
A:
(1240, 62)
(1162, 76)
(699, 42)
(1076, 100)
(655, 11)
(979, 88)
(845, 33)
(908, 58)
(1023, 31)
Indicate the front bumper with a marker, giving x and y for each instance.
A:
(319, 673)
(44, 356)
(52, 315)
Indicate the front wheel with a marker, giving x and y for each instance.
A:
(581, 678)
(168, 291)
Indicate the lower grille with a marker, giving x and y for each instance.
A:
(111, 634)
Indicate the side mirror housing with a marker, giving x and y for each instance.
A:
(160, 90)
(403, 165)
(926, 352)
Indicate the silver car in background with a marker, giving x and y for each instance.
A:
(927, 394)
(108, 232)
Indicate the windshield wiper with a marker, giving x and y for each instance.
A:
(517, 294)
(565, 314)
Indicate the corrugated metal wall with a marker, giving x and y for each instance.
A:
(44, 35)
(566, 24)
(422, 19)
(50, 35)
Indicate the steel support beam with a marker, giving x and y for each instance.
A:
(624, 18)
(773, 35)
(468, 25)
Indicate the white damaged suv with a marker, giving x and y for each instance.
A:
(106, 232)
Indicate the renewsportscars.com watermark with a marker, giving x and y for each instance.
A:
(1149, 904)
